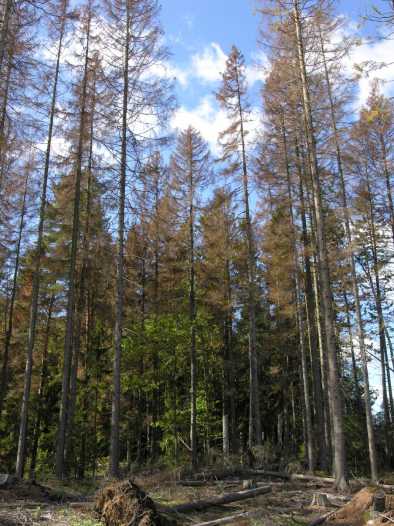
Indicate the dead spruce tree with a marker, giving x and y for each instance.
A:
(86, 22)
(335, 394)
(59, 29)
(232, 96)
(133, 34)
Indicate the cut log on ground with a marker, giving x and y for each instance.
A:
(200, 505)
(322, 519)
(231, 518)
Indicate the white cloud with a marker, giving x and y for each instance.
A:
(209, 119)
(206, 117)
(210, 63)
(373, 58)
(381, 53)
(166, 70)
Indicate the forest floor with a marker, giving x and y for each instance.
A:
(72, 505)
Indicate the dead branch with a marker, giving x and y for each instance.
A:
(231, 518)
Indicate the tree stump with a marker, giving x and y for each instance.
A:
(7, 480)
(249, 484)
(320, 500)
(379, 501)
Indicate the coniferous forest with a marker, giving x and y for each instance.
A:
(164, 303)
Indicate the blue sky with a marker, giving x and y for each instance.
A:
(199, 33)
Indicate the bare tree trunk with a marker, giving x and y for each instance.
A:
(37, 268)
(299, 315)
(3, 118)
(81, 304)
(8, 335)
(379, 310)
(41, 392)
(356, 379)
(5, 30)
(314, 331)
(192, 317)
(115, 415)
(360, 324)
(388, 184)
(227, 355)
(71, 293)
(333, 384)
(254, 397)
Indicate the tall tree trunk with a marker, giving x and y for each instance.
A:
(71, 293)
(8, 335)
(3, 119)
(333, 377)
(388, 183)
(227, 424)
(356, 379)
(5, 31)
(379, 310)
(115, 414)
(20, 461)
(299, 314)
(81, 304)
(192, 317)
(254, 435)
(356, 295)
(314, 330)
(41, 392)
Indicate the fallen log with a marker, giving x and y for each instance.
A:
(322, 519)
(231, 518)
(200, 505)
(314, 478)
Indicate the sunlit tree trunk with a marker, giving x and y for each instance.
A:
(119, 304)
(356, 295)
(71, 293)
(328, 314)
(38, 254)
(41, 392)
(299, 314)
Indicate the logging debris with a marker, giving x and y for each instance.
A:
(125, 504)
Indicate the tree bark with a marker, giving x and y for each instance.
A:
(41, 392)
(254, 435)
(333, 384)
(299, 313)
(360, 324)
(119, 305)
(20, 461)
(192, 317)
(71, 293)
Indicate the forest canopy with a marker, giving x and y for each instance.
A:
(166, 302)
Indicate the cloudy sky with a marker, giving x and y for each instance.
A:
(200, 33)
